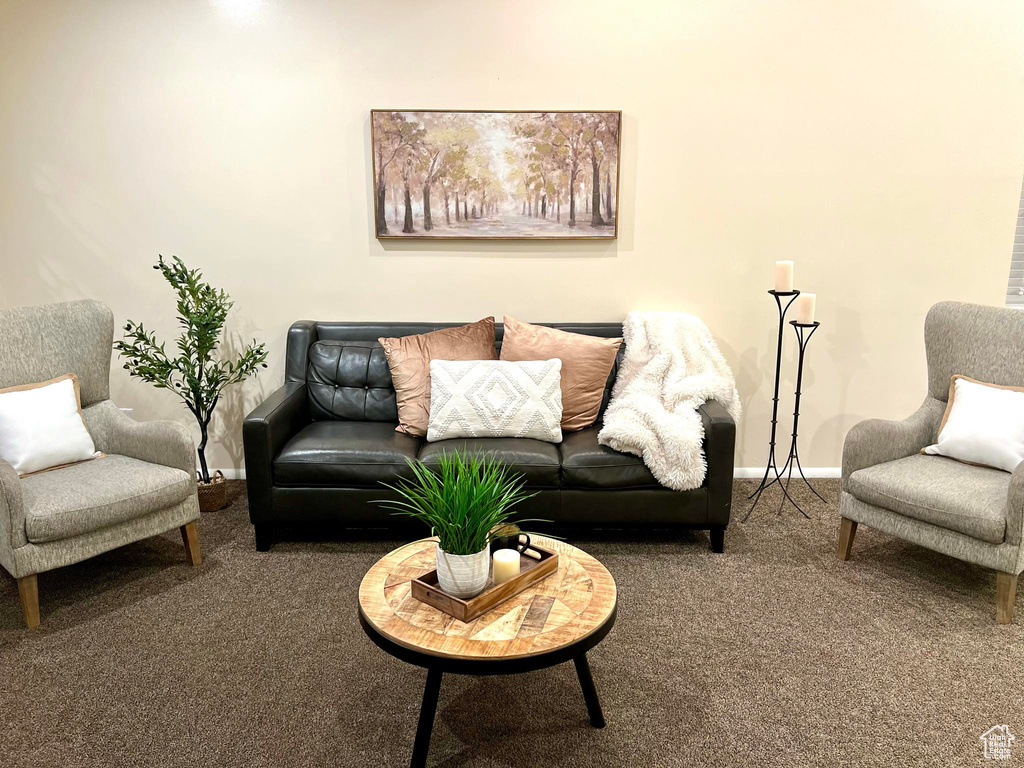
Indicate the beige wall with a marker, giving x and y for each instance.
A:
(879, 144)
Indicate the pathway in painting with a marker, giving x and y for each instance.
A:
(505, 225)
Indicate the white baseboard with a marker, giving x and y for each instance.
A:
(741, 473)
(756, 473)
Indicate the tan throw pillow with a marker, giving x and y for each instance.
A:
(586, 363)
(409, 360)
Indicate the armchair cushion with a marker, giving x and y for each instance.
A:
(933, 489)
(98, 494)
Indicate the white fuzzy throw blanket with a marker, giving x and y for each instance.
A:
(671, 367)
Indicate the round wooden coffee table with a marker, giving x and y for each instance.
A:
(556, 620)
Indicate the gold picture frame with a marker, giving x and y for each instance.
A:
(512, 174)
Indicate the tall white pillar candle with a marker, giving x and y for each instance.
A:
(805, 307)
(784, 276)
(505, 564)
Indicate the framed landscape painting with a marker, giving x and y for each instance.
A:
(508, 175)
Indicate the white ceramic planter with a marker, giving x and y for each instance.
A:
(463, 575)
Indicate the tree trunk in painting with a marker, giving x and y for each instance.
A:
(595, 189)
(544, 206)
(458, 216)
(465, 210)
(483, 203)
(524, 207)
(382, 199)
(608, 195)
(572, 202)
(394, 204)
(473, 211)
(427, 223)
(558, 209)
(408, 228)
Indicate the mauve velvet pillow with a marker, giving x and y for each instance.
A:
(586, 363)
(409, 360)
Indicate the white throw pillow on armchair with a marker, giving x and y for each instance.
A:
(495, 398)
(983, 424)
(41, 426)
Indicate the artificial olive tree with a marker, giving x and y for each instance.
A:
(194, 374)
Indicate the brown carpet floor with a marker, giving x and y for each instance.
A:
(774, 653)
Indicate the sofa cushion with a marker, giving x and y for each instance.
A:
(587, 464)
(350, 380)
(345, 453)
(958, 497)
(536, 460)
(97, 494)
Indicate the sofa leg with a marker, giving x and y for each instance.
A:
(28, 591)
(847, 530)
(190, 536)
(1006, 596)
(718, 538)
(264, 536)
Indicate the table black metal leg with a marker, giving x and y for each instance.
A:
(589, 691)
(426, 722)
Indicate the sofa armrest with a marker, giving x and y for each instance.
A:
(720, 452)
(12, 511)
(1015, 507)
(167, 443)
(876, 441)
(264, 432)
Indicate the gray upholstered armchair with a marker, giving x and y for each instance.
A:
(144, 486)
(972, 513)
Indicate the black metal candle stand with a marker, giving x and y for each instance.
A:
(804, 332)
(772, 466)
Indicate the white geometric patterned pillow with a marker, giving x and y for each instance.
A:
(495, 398)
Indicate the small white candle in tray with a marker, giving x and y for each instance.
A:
(506, 565)
(784, 276)
(805, 307)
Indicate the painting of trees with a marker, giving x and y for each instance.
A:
(394, 140)
(496, 175)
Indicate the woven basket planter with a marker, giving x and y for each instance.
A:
(214, 494)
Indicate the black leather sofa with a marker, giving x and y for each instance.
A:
(317, 448)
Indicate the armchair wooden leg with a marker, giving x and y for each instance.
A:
(847, 530)
(190, 535)
(1006, 596)
(28, 591)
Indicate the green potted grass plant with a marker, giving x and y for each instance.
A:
(462, 501)
(194, 374)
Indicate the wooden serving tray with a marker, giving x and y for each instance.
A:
(535, 563)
